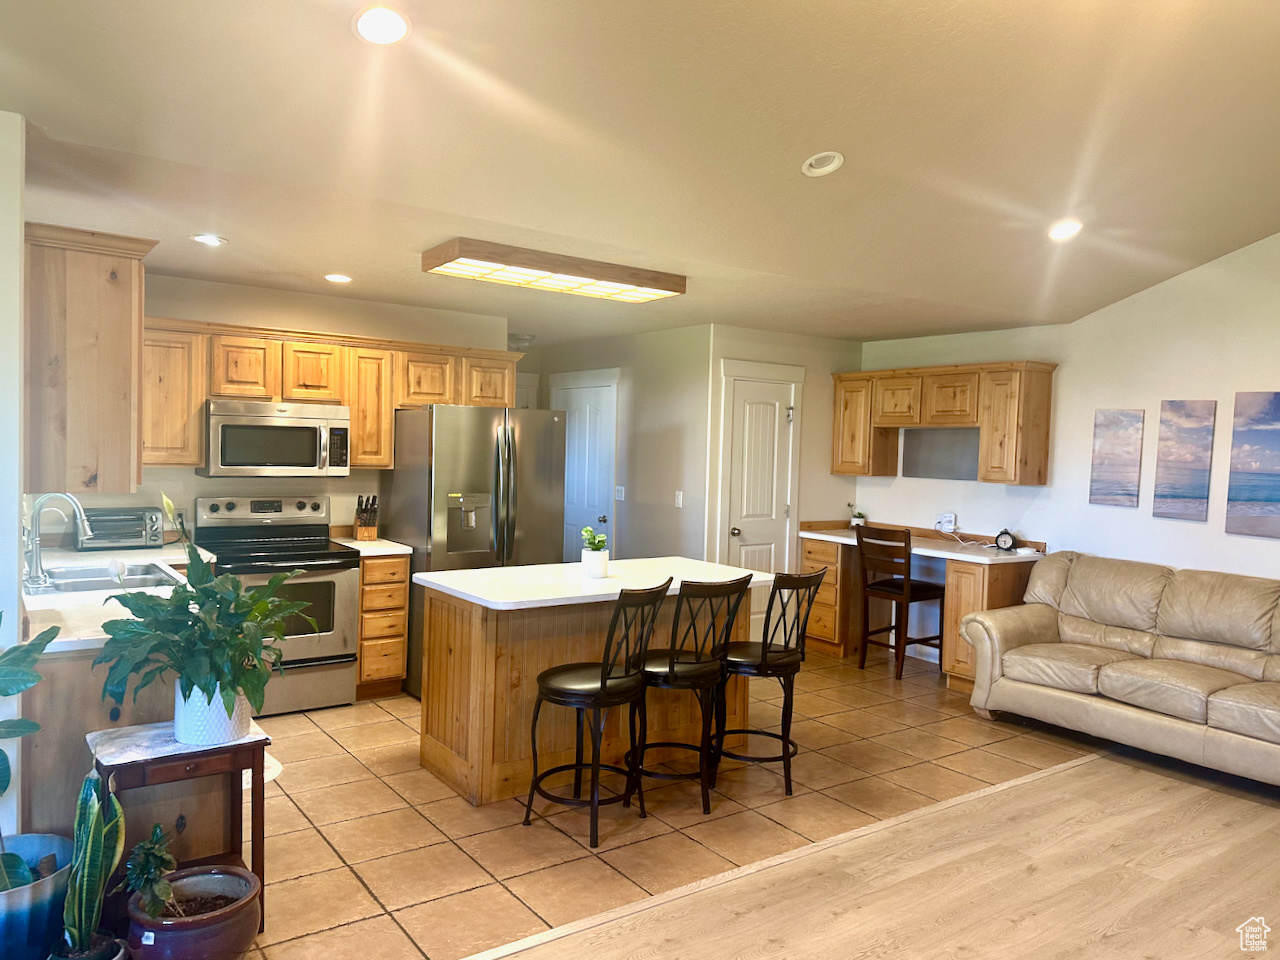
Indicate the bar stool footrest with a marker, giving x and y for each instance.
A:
(792, 748)
(578, 801)
(662, 774)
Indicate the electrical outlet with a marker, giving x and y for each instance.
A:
(679, 498)
(619, 493)
(947, 522)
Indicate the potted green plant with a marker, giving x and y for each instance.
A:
(856, 517)
(595, 554)
(34, 867)
(190, 914)
(218, 636)
(99, 844)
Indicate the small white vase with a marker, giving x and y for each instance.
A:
(856, 522)
(595, 564)
(198, 722)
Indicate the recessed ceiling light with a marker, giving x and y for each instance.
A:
(337, 278)
(382, 25)
(1064, 230)
(820, 164)
(209, 239)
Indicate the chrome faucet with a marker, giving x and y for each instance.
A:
(36, 577)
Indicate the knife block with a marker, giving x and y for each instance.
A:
(366, 533)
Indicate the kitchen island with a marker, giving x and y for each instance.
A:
(488, 633)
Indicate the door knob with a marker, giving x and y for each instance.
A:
(735, 531)
(602, 519)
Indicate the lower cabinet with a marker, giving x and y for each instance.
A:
(384, 624)
(972, 587)
(826, 631)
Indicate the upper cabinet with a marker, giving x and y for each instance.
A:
(313, 372)
(371, 387)
(1008, 402)
(423, 378)
(83, 346)
(174, 367)
(488, 383)
(247, 367)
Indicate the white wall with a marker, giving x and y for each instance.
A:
(178, 298)
(663, 399)
(1203, 335)
(12, 167)
(822, 496)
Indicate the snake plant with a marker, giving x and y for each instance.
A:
(99, 844)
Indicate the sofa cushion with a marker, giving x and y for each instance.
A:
(1172, 687)
(1065, 666)
(1249, 663)
(1078, 630)
(1219, 607)
(1121, 593)
(1049, 579)
(1252, 709)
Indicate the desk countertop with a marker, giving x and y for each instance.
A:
(561, 584)
(945, 550)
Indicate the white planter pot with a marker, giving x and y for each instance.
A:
(595, 564)
(857, 522)
(197, 721)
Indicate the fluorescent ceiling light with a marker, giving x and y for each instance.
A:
(337, 278)
(382, 25)
(1065, 230)
(539, 270)
(209, 239)
(821, 164)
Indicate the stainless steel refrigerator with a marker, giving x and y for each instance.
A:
(474, 487)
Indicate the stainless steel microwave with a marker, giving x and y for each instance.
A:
(261, 438)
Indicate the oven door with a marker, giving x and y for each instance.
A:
(267, 447)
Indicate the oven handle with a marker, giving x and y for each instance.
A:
(306, 566)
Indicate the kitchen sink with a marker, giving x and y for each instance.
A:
(83, 579)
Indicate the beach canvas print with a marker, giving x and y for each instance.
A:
(1117, 457)
(1253, 496)
(1183, 459)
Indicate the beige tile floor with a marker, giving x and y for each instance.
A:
(368, 854)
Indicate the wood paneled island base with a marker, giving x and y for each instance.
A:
(480, 680)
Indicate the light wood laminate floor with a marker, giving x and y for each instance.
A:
(1117, 856)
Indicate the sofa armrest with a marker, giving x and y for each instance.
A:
(993, 633)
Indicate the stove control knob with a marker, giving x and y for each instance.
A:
(315, 506)
(231, 505)
(214, 508)
(302, 504)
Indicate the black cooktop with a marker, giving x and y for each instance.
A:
(275, 545)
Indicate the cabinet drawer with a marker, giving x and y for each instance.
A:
(385, 570)
(381, 659)
(189, 768)
(822, 622)
(391, 596)
(374, 625)
(827, 591)
(820, 551)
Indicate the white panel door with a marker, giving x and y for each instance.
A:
(760, 475)
(591, 423)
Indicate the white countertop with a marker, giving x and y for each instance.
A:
(561, 584)
(376, 548)
(80, 616)
(943, 549)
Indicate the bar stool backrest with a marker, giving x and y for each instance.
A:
(883, 551)
(787, 617)
(705, 613)
(634, 614)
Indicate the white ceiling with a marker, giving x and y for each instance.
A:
(667, 135)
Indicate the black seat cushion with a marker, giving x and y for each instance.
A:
(581, 680)
(657, 665)
(920, 589)
(742, 656)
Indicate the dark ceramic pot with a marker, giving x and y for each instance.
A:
(225, 934)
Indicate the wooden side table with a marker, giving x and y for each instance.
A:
(147, 754)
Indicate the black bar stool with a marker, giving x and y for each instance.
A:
(703, 622)
(616, 680)
(779, 655)
(885, 551)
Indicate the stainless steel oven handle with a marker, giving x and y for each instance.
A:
(308, 566)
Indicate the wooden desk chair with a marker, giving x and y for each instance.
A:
(615, 681)
(778, 654)
(884, 557)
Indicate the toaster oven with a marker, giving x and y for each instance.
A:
(116, 527)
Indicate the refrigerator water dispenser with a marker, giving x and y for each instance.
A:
(470, 523)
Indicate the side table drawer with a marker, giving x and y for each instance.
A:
(173, 770)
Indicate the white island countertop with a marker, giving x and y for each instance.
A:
(561, 584)
(942, 549)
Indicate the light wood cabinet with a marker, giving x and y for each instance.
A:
(425, 378)
(83, 344)
(897, 402)
(371, 383)
(384, 624)
(1014, 444)
(313, 372)
(174, 367)
(857, 448)
(488, 383)
(827, 625)
(246, 367)
(973, 587)
(951, 399)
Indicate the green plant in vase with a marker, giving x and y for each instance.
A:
(99, 844)
(595, 554)
(149, 863)
(594, 541)
(217, 635)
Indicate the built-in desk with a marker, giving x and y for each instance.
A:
(977, 577)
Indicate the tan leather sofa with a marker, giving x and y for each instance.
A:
(1184, 663)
